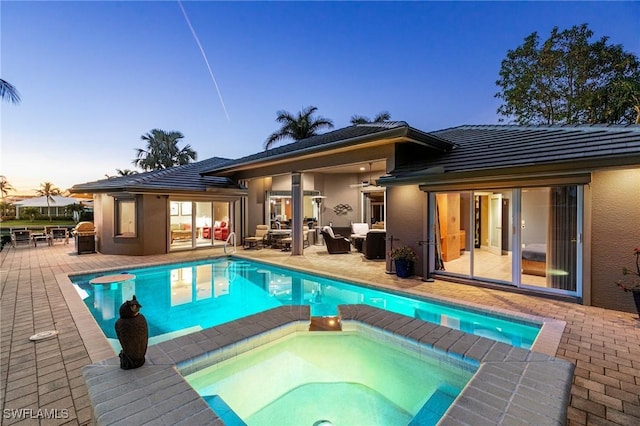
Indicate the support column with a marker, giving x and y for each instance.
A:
(297, 210)
(242, 216)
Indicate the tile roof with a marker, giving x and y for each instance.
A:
(346, 136)
(54, 201)
(490, 147)
(187, 178)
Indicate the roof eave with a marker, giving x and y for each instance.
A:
(441, 175)
(161, 190)
(324, 148)
(394, 135)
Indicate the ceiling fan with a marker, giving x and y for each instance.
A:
(364, 183)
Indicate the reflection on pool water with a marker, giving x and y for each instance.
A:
(182, 298)
(343, 378)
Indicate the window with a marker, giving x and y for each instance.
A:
(126, 217)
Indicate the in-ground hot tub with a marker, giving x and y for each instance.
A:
(510, 382)
(335, 378)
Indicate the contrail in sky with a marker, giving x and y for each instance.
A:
(195, 36)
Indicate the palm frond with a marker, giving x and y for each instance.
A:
(359, 119)
(9, 92)
(382, 116)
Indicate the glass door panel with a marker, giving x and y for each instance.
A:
(453, 232)
(550, 237)
(181, 224)
(221, 225)
(373, 206)
(495, 223)
(204, 222)
(492, 249)
(534, 228)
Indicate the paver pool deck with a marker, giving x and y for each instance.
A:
(41, 380)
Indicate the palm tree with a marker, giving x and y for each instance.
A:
(361, 119)
(5, 186)
(9, 92)
(75, 210)
(297, 128)
(126, 172)
(162, 151)
(6, 208)
(122, 172)
(48, 190)
(31, 212)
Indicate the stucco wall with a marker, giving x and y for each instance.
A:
(338, 191)
(406, 220)
(151, 225)
(155, 225)
(103, 221)
(255, 203)
(615, 233)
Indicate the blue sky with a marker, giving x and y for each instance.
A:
(95, 76)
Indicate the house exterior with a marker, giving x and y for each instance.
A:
(548, 210)
(54, 205)
(572, 193)
(160, 211)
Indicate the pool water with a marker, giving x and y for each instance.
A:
(345, 378)
(186, 297)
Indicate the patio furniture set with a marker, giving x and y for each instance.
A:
(48, 235)
(370, 242)
(274, 238)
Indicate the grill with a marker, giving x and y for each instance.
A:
(85, 235)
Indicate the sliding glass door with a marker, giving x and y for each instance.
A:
(198, 223)
(524, 237)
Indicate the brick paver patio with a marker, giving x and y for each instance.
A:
(42, 383)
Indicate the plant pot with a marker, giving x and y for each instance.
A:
(404, 268)
(636, 299)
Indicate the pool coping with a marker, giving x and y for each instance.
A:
(106, 362)
(547, 341)
(511, 386)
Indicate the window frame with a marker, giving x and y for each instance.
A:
(117, 216)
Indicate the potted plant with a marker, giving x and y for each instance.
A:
(404, 257)
(631, 280)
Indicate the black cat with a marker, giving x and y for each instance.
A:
(133, 334)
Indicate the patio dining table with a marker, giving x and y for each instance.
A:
(277, 235)
(41, 236)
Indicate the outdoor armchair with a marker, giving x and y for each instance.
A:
(335, 243)
(260, 238)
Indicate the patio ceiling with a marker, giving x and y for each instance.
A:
(374, 166)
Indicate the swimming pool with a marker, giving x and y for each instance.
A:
(341, 378)
(186, 297)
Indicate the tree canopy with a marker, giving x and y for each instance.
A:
(569, 79)
(299, 127)
(361, 119)
(162, 151)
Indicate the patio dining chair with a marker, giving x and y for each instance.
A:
(59, 234)
(289, 240)
(20, 236)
